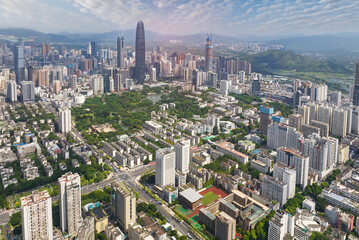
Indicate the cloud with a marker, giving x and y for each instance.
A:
(229, 17)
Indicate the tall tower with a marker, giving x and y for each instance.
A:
(209, 54)
(120, 51)
(70, 202)
(182, 155)
(93, 48)
(19, 62)
(356, 86)
(140, 53)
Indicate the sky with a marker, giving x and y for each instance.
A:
(235, 18)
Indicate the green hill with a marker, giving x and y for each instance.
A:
(271, 60)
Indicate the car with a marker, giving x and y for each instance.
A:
(189, 236)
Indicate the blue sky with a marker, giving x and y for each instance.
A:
(237, 18)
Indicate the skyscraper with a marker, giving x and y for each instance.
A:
(123, 204)
(93, 49)
(120, 52)
(209, 55)
(140, 53)
(19, 62)
(11, 91)
(356, 86)
(265, 118)
(165, 167)
(182, 155)
(36, 216)
(65, 120)
(70, 202)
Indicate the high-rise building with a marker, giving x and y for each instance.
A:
(121, 52)
(356, 86)
(339, 122)
(64, 120)
(11, 94)
(182, 155)
(123, 204)
(28, 91)
(96, 83)
(295, 120)
(281, 224)
(93, 49)
(265, 118)
(140, 53)
(87, 229)
(225, 227)
(153, 75)
(73, 82)
(287, 175)
(274, 189)
(70, 202)
(209, 55)
(36, 216)
(281, 135)
(294, 158)
(319, 92)
(43, 78)
(336, 98)
(165, 167)
(19, 62)
(255, 87)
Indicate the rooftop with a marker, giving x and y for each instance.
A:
(191, 195)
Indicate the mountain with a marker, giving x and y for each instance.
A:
(34, 35)
(321, 43)
(269, 61)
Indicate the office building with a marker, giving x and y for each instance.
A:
(19, 62)
(28, 91)
(255, 87)
(123, 204)
(165, 167)
(11, 93)
(73, 82)
(356, 86)
(182, 155)
(140, 53)
(209, 55)
(121, 52)
(92, 51)
(274, 189)
(64, 120)
(70, 202)
(297, 160)
(265, 118)
(36, 216)
(287, 175)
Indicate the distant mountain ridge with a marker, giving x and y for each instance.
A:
(299, 43)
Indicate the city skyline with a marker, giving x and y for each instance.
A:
(229, 18)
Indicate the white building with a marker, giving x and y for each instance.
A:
(274, 189)
(182, 149)
(281, 224)
(153, 75)
(65, 120)
(165, 167)
(36, 216)
(286, 175)
(97, 84)
(70, 202)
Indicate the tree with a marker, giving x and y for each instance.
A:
(15, 219)
(142, 207)
(318, 236)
